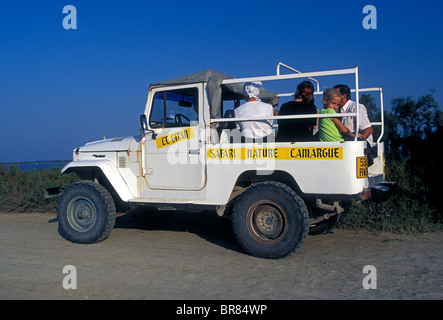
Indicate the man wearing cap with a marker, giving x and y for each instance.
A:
(254, 107)
(298, 129)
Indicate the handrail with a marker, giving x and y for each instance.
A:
(382, 114)
(300, 116)
(291, 76)
(357, 102)
(285, 77)
(310, 75)
(296, 71)
(319, 92)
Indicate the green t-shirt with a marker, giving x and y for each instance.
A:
(327, 129)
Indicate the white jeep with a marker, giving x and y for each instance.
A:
(188, 157)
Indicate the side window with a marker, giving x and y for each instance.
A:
(174, 108)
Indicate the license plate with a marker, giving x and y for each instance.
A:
(362, 167)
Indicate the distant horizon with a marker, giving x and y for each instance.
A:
(35, 165)
(36, 161)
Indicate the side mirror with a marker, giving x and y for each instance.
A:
(144, 122)
(144, 126)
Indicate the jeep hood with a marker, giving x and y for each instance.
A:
(109, 145)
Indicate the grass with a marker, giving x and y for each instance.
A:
(408, 211)
(398, 214)
(23, 190)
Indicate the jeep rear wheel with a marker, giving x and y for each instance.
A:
(86, 213)
(270, 220)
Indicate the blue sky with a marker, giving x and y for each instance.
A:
(62, 88)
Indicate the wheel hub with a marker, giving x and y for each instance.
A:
(82, 214)
(267, 222)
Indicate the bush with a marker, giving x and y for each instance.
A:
(398, 215)
(407, 211)
(23, 190)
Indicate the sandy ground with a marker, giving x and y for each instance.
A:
(195, 256)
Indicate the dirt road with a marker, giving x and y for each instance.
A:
(196, 256)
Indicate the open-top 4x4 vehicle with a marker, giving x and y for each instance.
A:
(188, 156)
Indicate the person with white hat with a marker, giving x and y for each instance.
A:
(254, 107)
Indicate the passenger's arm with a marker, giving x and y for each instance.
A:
(366, 133)
(342, 127)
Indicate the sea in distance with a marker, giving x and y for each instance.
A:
(37, 165)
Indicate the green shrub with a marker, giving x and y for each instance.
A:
(23, 190)
(407, 211)
(399, 214)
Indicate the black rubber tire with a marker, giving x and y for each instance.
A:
(270, 220)
(86, 213)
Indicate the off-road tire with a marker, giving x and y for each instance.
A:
(86, 213)
(270, 220)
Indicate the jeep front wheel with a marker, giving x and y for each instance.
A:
(270, 220)
(86, 213)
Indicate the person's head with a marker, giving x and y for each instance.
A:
(332, 99)
(305, 91)
(345, 93)
(251, 90)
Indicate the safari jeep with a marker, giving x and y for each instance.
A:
(189, 156)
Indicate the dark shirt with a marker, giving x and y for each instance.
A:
(296, 129)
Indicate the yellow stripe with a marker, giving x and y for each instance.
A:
(175, 137)
(283, 153)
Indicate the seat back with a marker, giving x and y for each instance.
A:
(228, 125)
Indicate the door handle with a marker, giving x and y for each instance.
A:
(194, 151)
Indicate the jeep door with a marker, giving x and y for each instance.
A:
(173, 145)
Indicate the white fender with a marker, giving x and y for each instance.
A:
(109, 170)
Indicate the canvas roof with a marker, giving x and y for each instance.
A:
(216, 90)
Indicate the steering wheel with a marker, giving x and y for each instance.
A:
(179, 118)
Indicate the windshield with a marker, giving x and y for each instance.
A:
(174, 108)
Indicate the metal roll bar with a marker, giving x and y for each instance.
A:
(310, 75)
